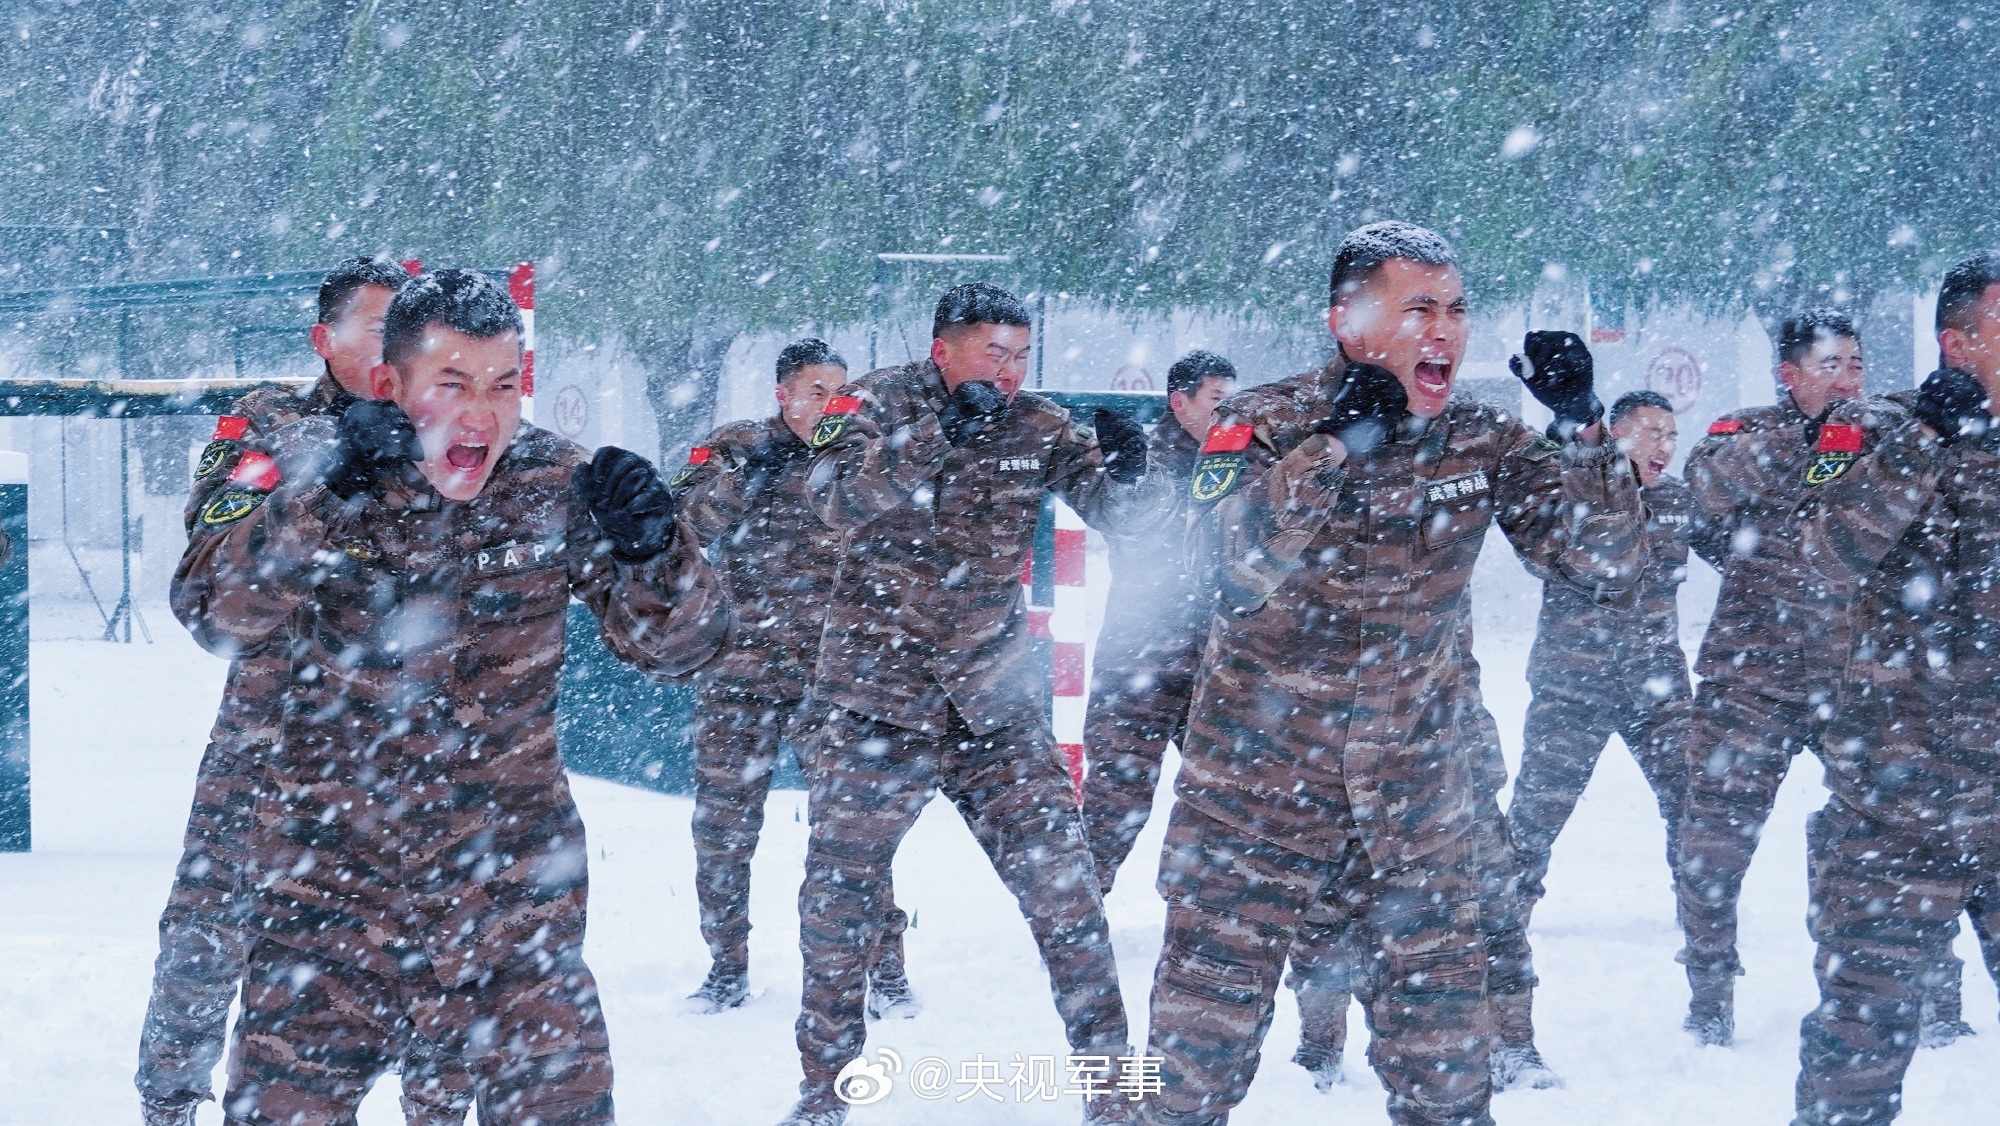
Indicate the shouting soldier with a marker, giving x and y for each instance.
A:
(419, 866)
(1325, 766)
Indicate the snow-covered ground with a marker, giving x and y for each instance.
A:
(118, 731)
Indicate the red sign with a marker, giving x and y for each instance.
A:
(1676, 374)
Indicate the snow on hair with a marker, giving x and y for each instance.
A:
(1364, 250)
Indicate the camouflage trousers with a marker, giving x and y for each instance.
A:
(1884, 908)
(316, 1034)
(1237, 907)
(205, 943)
(1740, 745)
(1565, 733)
(736, 750)
(1326, 970)
(869, 782)
(1139, 700)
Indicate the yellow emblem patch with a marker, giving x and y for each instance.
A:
(211, 457)
(1827, 467)
(230, 506)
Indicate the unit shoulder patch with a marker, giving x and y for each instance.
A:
(833, 423)
(231, 505)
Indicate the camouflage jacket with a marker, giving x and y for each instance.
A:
(416, 810)
(1331, 681)
(1153, 596)
(776, 558)
(1777, 630)
(928, 613)
(1581, 641)
(1911, 529)
(253, 696)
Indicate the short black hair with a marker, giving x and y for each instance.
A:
(1963, 286)
(354, 274)
(804, 354)
(1364, 250)
(464, 301)
(977, 303)
(1797, 335)
(1636, 400)
(1197, 367)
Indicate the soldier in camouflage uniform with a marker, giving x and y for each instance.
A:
(1326, 764)
(1150, 644)
(744, 491)
(1770, 658)
(937, 471)
(1597, 671)
(203, 943)
(417, 864)
(1326, 977)
(1903, 512)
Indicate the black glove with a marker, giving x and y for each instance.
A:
(1367, 408)
(374, 435)
(1953, 404)
(1558, 371)
(1123, 441)
(629, 502)
(973, 407)
(763, 462)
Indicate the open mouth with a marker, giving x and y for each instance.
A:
(1433, 377)
(1659, 468)
(461, 456)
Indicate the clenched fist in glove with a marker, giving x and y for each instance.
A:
(1367, 409)
(629, 502)
(1953, 404)
(373, 435)
(1558, 371)
(974, 406)
(1123, 442)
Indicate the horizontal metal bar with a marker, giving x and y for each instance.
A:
(303, 284)
(1143, 406)
(944, 258)
(129, 398)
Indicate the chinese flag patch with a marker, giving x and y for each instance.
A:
(1725, 426)
(843, 404)
(700, 455)
(256, 471)
(1837, 438)
(230, 428)
(1227, 439)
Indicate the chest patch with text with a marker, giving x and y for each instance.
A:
(511, 557)
(1457, 488)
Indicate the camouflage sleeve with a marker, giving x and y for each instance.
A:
(1573, 513)
(1076, 474)
(234, 433)
(666, 616)
(1862, 500)
(1708, 536)
(870, 457)
(708, 488)
(1721, 472)
(1245, 544)
(254, 555)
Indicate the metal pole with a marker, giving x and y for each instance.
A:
(1041, 334)
(121, 616)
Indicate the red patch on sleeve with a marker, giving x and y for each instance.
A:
(700, 455)
(1227, 439)
(256, 471)
(1725, 426)
(1838, 438)
(229, 428)
(843, 404)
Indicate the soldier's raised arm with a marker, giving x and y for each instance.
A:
(1875, 470)
(873, 456)
(1569, 503)
(1102, 473)
(638, 565)
(271, 532)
